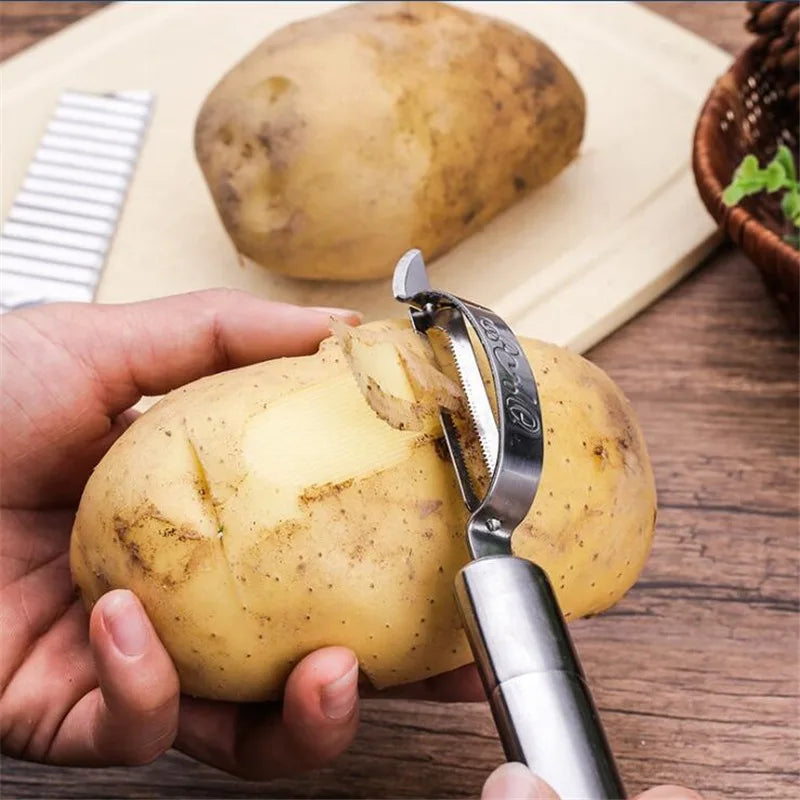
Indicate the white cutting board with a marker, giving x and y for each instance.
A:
(569, 264)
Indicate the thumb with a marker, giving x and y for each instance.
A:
(514, 781)
(132, 717)
(136, 716)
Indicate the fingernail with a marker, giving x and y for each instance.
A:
(339, 698)
(513, 782)
(339, 312)
(125, 622)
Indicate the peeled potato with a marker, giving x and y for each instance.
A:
(347, 138)
(268, 511)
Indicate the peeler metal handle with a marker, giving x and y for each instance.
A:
(542, 707)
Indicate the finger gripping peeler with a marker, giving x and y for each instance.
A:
(540, 701)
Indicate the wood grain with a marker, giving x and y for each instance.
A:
(22, 24)
(723, 25)
(696, 670)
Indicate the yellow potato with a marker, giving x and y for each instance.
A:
(347, 138)
(265, 512)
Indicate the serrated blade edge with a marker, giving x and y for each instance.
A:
(471, 380)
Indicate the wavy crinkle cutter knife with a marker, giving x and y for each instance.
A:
(541, 704)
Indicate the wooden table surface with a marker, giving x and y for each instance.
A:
(696, 670)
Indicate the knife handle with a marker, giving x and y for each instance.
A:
(541, 704)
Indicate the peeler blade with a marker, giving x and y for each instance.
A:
(480, 409)
(512, 444)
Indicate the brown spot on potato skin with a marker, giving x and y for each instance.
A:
(272, 89)
(121, 528)
(428, 507)
(142, 551)
(357, 553)
(403, 16)
(600, 451)
(542, 75)
(135, 556)
(183, 534)
(320, 491)
(410, 566)
(265, 142)
(229, 201)
(627, 444)
(280, 138)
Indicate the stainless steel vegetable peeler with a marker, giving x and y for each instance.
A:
(541, 704)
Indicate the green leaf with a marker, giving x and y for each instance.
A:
(741, 188)
(732, 195)
(775, 177)
(750, 179)
(752, 186)
(790, 205)
(748, 169)
(785, 158)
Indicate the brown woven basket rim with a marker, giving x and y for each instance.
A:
(710, 186)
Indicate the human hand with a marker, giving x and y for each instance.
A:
(106, 692)
(516, 782)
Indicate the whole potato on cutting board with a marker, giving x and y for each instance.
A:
(265, 512)
(346, 138)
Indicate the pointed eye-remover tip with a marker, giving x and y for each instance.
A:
(410, 277)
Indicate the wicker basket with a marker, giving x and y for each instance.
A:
(750, 111)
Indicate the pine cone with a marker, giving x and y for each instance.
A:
(776, 25)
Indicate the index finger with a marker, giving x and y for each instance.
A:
(151, 347)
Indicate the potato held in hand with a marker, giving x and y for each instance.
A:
(265, 512)
(347, 138)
